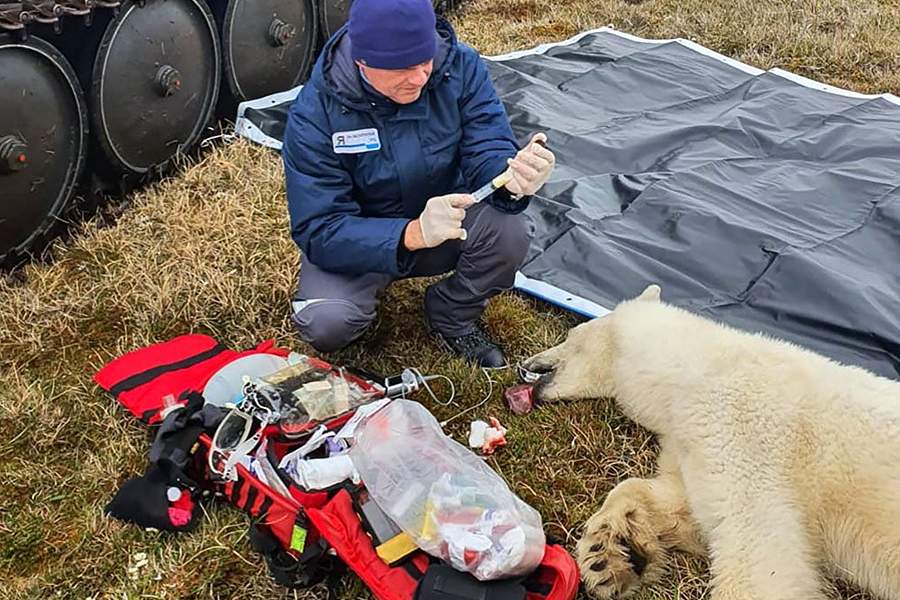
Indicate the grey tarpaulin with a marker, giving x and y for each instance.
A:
(758, 198)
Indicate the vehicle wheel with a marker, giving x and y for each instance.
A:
(268, 46)
(43, 141)
(155, 83)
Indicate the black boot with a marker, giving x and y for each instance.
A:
(476, 347)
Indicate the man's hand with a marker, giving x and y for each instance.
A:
(531, 167)
(440, 221)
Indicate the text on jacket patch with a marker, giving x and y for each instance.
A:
(355, 142)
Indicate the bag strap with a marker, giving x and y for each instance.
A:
(313, 566)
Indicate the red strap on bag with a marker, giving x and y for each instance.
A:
(341, 528)
(150, 380)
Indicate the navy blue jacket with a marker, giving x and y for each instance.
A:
(349, 210)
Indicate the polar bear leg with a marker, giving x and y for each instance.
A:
(761, 553)
(627, 542)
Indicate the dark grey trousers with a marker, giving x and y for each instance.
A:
(331, 310)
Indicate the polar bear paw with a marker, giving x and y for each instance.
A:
(620, 551)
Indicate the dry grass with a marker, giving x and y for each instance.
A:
(209, 252)
(853, 44)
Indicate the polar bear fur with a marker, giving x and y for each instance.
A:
(778, 464)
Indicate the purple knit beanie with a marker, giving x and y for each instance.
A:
(392, 34)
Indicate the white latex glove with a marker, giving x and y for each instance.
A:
(531, 168)
(442, 218)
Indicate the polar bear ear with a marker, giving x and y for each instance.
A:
(651, 294)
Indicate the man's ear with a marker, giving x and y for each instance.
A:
(651, 294)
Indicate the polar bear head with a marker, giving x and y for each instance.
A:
(581, 366)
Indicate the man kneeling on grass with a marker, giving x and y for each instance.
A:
(396, 121)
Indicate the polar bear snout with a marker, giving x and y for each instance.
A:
(544, 366)
(576, 369)
(557, 381)
(540, 364)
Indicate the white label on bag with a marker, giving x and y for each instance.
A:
(355, 142)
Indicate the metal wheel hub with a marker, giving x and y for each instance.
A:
(13, 154)
(168, 80)
(280, 33)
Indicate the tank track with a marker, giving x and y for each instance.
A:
(17, 16)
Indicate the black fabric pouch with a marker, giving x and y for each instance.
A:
(442, 582)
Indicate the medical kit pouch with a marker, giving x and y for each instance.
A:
(254, 459)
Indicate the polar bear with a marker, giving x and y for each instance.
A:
(778, 464)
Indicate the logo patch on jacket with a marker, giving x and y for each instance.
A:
(355, 142)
